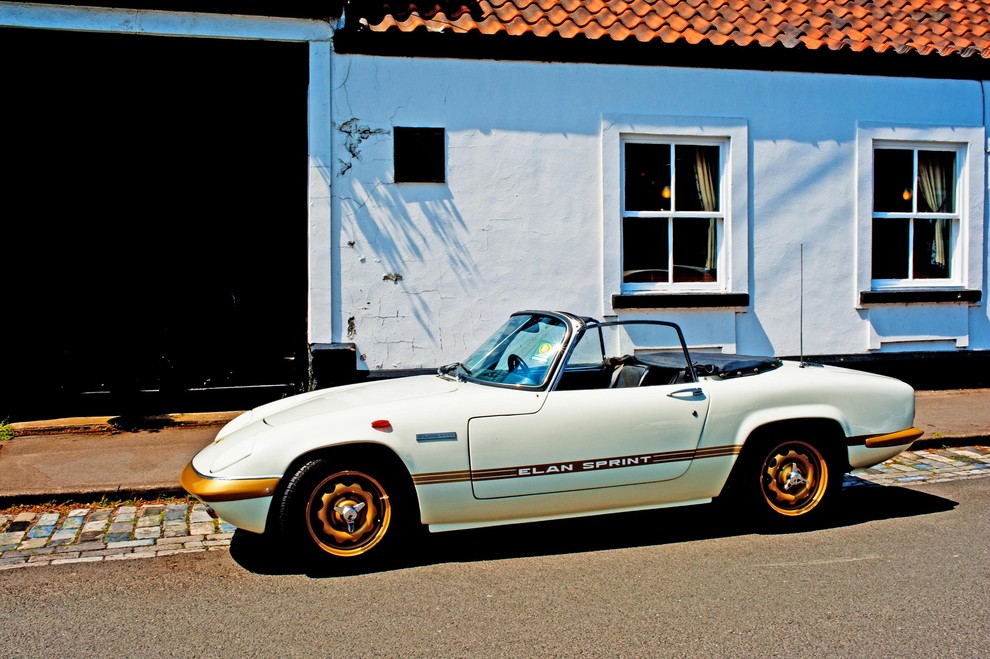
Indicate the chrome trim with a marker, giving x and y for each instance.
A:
(436, 437)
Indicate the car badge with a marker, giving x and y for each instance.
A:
(436, 437)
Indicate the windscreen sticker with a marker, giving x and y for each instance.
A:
(543, 353)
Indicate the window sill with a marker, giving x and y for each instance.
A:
(681, 301)
(919, 297)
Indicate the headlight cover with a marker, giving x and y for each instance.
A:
(239, 451)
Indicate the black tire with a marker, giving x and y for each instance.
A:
(790, 482)
(344, 510)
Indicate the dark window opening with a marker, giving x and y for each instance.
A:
(419, 155)
(648, 177)
(893, 180)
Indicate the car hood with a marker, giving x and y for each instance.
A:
(379, 393)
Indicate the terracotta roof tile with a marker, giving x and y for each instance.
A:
(718, 39)
(944, 27)
(767, 40)
(722, 28)
(746, 28)
(692, 36)
(812, 43)
(653, 22)
(557, 16)
(606, 20)
(677, 22)
(668, 34)
(593, 31)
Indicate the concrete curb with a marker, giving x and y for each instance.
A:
(84, 496)
(113, 424)
(951, 442)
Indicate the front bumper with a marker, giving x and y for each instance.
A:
(213, 490)
(242, 503)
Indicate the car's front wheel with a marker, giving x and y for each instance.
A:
(341, 510)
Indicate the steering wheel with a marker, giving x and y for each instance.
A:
(516, 364)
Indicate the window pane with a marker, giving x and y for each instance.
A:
(644, 250)
(931, 249)
(647, 177)
(936, 182)
(696, 171)
(890, 249)
(694, 250)
(893, 187)
(588, 351)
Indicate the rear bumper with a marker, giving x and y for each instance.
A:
(868, 450)
(899, 438)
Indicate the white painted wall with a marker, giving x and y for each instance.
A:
(520, 221)
(524, 218)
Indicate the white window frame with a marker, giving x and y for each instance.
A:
(731, 134)
(955, 218)
(966, 236)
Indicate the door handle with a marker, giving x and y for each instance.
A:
(686, 393)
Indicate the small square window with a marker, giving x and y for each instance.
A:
(419, 155)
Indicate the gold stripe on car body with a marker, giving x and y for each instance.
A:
(219, 489)
(574, 466)
(441, 477)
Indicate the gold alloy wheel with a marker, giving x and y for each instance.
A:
(793, 478)
(348, 513)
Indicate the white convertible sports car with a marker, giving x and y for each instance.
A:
(553, 416)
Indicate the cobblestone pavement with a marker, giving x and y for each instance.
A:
(97, 534)
(926, 466)
(88, 535)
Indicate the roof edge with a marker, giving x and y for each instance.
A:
(581, 50)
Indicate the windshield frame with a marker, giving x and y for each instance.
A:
(569, 323)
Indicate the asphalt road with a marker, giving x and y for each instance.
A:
(903, 571)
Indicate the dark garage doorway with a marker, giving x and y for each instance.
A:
(153, 223)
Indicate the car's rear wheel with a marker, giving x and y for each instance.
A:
(794, 478)
(790, 482)
(342, 510)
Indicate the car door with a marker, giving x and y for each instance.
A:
(586, 439)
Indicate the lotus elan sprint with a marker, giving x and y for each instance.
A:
(554, 416)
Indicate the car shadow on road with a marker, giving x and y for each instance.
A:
(858, 503)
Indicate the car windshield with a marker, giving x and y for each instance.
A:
(521, 352)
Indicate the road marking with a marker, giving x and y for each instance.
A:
(830, 561)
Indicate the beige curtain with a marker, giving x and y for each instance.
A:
(933, 175)
(705, 174)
